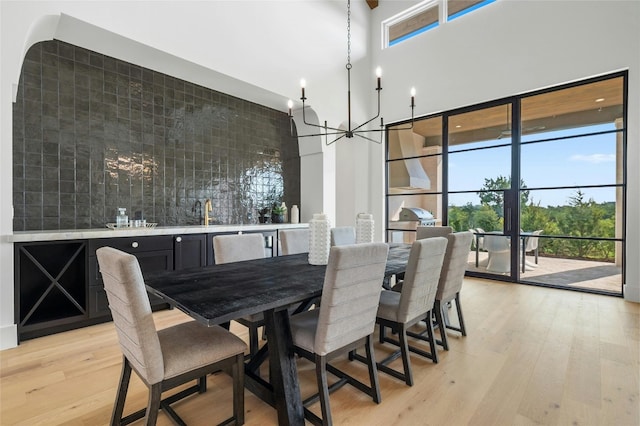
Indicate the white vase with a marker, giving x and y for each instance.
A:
(364, 228)
(295, 214)
(319, 239)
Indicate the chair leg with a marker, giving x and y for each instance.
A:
(404, 350)
(373, 371)
(238, 389)
(323, 389)
(463, 330)
(441, 325)
(382, 333)
(121, 396)
(155, 394)
(432, 339)
(202, 384)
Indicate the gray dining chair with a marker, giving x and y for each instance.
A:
(454, 266)
(294, 241)
(432, 231)
(401, 310)
(238, 248)
(346, 317)
(343, 235)
(166, 358)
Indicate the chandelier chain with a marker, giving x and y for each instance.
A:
(348, 34)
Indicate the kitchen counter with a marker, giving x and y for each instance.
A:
(78, 234)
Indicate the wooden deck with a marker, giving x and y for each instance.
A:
(575, 273)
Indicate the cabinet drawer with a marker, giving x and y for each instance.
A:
(133, 245)
(150, 261)
(99, 304)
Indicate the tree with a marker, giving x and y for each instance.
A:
(493, 193)
(582, 221)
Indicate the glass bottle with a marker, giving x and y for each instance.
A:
(122, 220)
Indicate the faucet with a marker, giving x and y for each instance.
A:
(207, 209)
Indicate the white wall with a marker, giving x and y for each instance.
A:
(512, 47)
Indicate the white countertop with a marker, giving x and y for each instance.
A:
(85, 234)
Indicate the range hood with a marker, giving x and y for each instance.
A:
(407, 174)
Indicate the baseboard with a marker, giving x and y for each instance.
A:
(8, 337)
(632, 293)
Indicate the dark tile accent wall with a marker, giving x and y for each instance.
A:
(92, 133)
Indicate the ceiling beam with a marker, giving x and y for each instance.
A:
(372, 3)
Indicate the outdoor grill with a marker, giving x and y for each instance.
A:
(416, 214)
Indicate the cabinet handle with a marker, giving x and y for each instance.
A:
(134, 244)
(178, 239)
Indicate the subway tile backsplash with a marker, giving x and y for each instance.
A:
(92, 133)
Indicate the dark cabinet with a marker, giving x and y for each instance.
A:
(190, 251)
(153, 253)
(50, 286)
(58, 285)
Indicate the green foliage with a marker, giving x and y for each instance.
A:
(495, 197)
(278, 210)
(579, 218)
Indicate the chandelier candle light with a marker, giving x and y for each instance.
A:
(358, 130)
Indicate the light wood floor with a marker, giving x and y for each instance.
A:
(532, 356)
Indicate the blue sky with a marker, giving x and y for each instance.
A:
(587, 160)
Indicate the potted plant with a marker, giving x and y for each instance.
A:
(277, 214)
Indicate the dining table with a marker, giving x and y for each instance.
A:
(217, 294)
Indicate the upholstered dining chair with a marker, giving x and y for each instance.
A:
(401, 310)
(346, 317)
(343, 235)
(454, 267)
(432, 231)
(294, 241)
(238, 248)
(164, 358)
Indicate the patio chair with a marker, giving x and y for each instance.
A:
(532, 246)
(499, 253)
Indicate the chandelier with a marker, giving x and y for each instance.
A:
(350, 131)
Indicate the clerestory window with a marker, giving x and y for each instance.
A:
(424, 17)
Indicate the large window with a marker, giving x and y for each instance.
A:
(540, 175)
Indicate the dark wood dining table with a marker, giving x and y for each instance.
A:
(220, 293)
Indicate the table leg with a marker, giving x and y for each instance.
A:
(477, 252)
(282, 368)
